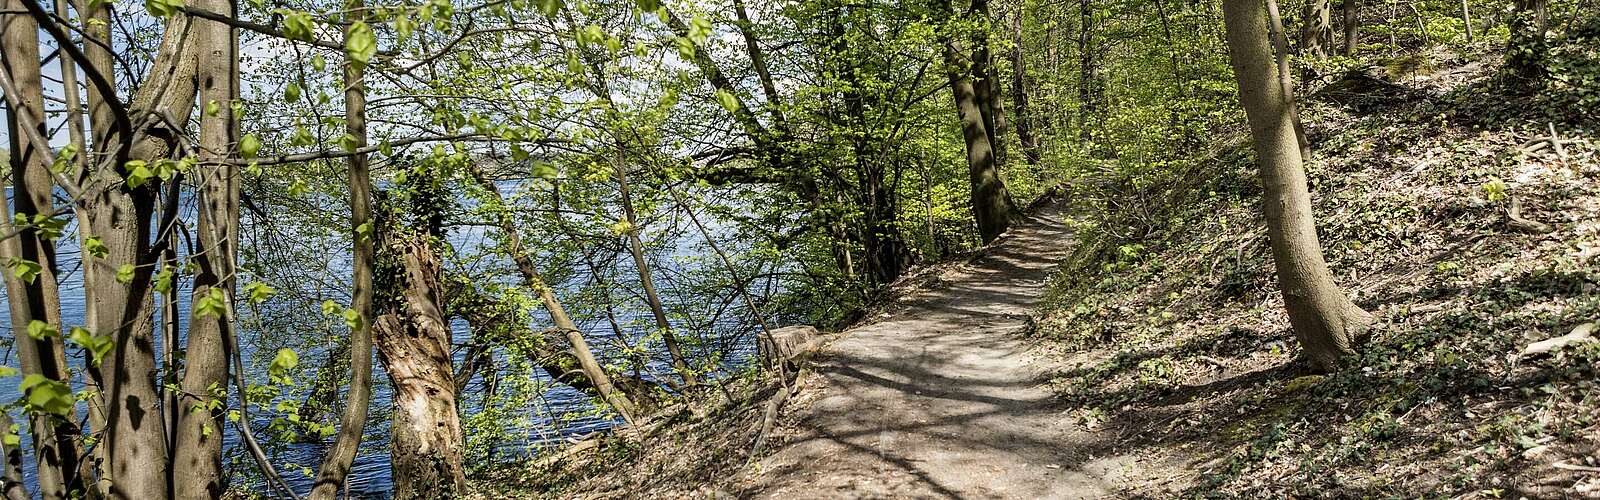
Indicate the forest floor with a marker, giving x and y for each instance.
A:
(1145, 352)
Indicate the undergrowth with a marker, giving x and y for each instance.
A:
(1177, 339)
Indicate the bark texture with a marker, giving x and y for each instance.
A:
(991, 202)
(56, 448)
(413, 340)
(1316, 29)
(1323, 317)
(202, 404)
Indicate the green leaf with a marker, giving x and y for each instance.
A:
(548, 7)
(699, 29)
(213, 304)
(403, 26)
(348, 143)
(46, 395)
(359, 44)
(685, 47)
(353, 319)
(164, 280)
(213, 108)
(258, 292)
(96, 247)
(138, 175)
(125, 273)
(98, 346)
(298, 25)
(40, 330)
(249, 146)
(26, 270)
(286, 359)
(64, 158)
(727, 100)
(544, 170)
(318, 62)
(329, 307)
(163, 8)
(291, 92)
(6, 371)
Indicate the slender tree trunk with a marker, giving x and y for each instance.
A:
(1088, 93)
(335, 468)
(1019, 93)
(1466, 19)
(658, 311)
(202, 405)
(56, 447)
(1352, 27)
(1316, 30)
(1324, 319)
(558, 314)
(991, 202)
(413, 340)
(11, 485)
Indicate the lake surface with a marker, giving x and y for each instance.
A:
(560, 412)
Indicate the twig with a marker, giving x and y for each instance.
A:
(1517, 222)
(1579, 468)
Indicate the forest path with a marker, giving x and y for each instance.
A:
(941, 399)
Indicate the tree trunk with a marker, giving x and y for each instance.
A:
(335, 467)
(202, 405)
(497, 320)
(985, 86)
(1019, 93)
(413, 340)
(134, 458)
(558, 314)
(1352, 27)
(1323, 318)
(1316, 30)
(1088, 93)
(56, 447)
(991, 202)
(1466, 19)
(680, 363)
(1526, 48)
(1280, 45)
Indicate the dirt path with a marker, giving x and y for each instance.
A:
(940, 399)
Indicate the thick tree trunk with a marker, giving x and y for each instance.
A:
(202, 405)
(56, 447)
(985, 86)
(1316, 30)
(335, 467)
(1352, 27)
(1324, 319)
(413, 340)
(134, 458)
(991, 202)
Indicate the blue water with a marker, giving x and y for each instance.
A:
(553, 414)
